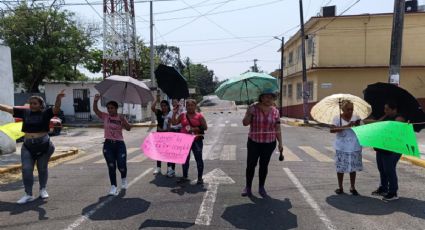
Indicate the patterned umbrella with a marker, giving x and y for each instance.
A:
(329, 107)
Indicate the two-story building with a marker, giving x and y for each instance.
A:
(346, 53)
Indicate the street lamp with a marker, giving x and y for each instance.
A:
(281, 73)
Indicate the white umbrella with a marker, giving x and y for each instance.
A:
(329, 107)
(125, 89)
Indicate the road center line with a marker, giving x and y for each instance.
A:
(322, 216)
(87, 215)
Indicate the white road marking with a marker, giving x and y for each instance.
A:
(289, 155)
(228, 153)
(309, 199)
(222, 125)
(234, 125)
(315, 154)
(87, 215)
(139, 158)
(213, 179)
(85, 158)
(227, 122)
(210, 125)
(206, 152)
(129, 151)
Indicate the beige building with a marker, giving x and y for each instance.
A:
(346, 53)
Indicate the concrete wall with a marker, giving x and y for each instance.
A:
(7, 145)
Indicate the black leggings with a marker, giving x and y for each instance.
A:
(262, 151)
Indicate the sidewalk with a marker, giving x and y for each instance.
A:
(12, 162)
(299, 122)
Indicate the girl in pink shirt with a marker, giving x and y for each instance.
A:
(114, 149)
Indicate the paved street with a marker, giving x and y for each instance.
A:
(300, 188)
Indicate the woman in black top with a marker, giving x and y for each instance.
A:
(387, 160)
(37, 147)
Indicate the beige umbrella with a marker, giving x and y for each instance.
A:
(329, 107)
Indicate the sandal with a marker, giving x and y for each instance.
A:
(354, 192)
(339, 191)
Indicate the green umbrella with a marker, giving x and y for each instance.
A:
(246, 86)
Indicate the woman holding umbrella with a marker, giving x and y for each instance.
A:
(37, 147)
(163, 116)
(348, 158)
(387, 160)
(264, 121)
(192, 123)
(114, 149)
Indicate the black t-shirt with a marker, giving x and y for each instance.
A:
(34, 122)
(159, 118)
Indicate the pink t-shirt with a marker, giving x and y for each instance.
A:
(112, 127)
(195, 121)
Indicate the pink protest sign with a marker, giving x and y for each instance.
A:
(168, 147)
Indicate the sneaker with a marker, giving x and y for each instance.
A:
(44, 194)
(171, 172)
(182, 180)
(379, 192)
(25, 199)
(262, 192)
(390, 197)
(113, 191)
(157, 171)
(246, 192)
(124, 184)
(200, 181)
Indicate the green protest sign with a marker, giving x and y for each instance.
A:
(389, 135)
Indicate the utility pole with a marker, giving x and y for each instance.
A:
(152, 63)
(282, 66)
(396, 42)
(255, 67)
(305, 85)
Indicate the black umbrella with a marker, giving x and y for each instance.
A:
(379, 93)
(171, 82)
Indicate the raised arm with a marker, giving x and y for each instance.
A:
(125, 123)
(6, 108)
(58, 102)
(176, 119)
(95, 108)
(153, 106)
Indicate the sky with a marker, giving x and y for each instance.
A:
(227, 35)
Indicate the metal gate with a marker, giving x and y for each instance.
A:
(82, 104)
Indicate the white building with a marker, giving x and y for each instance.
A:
(77, 105)
(7, 145)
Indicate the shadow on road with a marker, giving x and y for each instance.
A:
(165, 224)
(16, 209)
(262, 214)
(118, 208)
(188, 188)
(14, 186)
(373, 206)
(164, 181)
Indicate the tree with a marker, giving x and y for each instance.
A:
(199, 77)
(93, 60)
(46, 44)
(169, 55)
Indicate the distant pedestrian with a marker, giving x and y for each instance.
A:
(264, 121)
(37, 147)
(163, 117)
(348, 157)
(114, 149)
(387, 160)
(193, 123)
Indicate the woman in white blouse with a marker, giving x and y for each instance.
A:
(348, 158)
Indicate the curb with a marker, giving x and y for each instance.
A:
(101, 125)
(17, 167)
(414, 161)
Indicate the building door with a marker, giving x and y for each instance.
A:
(82, 104)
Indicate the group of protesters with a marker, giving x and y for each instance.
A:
(263, 138)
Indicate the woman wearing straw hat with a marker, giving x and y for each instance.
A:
(264, 121)
(348, 158)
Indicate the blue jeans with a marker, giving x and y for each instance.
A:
(387, 163)
(197, 153)
(28, 162)
(115, 153)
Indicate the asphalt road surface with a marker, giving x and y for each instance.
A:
(301, 189)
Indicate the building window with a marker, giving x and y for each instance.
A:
(310, 90)
(310, 45)
(299, 91)
(284, 90)
(299, 53)
(291, 58)
(290, 90)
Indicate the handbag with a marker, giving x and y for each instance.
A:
(37, 150)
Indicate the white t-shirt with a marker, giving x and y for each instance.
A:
(346, 140)
(167, 118)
